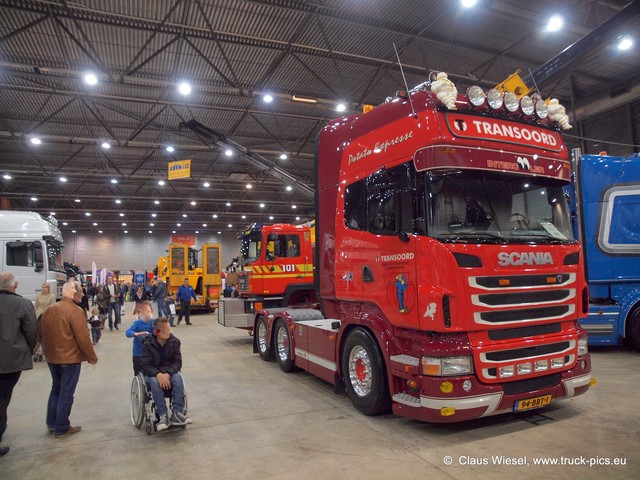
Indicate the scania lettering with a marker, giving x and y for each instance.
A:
(524, 258)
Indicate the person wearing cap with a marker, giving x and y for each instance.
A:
(65, 338)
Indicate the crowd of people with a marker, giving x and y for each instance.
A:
(66, 336)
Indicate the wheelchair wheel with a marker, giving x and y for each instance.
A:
(137, 400)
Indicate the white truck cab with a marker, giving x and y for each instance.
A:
(31, 248)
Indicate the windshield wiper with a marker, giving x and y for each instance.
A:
(473, 236)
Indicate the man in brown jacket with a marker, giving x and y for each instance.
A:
(66, 342)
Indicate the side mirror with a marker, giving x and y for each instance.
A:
(39, 266)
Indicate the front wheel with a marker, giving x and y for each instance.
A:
(633, 329)
(364, 374)
(283, 347)
(261, 339)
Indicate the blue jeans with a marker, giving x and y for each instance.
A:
(65, 378)
(163, 309)
(157, 392)
(113, 307)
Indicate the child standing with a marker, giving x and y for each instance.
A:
(96, 325)
(139, 330)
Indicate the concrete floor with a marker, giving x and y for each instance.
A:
(253, 421)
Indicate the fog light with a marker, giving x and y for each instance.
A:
(557, 362)
(447, 411)
(541, 365)
(505, 372)
(446, 387)
(467, 385)
(412, 384)
(495, 99)
(524, 368)
(511, 101)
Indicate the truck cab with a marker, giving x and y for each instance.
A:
(31, 248)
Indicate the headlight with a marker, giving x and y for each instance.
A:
(511, 101)
(494, 97)
(541, 109)
(446, 366)
(476, 96)
(583, 347)
(526, 104)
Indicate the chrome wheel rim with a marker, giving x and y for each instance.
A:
(282, 342)
(262, 337)
(360, 371)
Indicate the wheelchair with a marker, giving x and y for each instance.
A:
(143, 408)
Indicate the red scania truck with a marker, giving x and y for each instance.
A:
(449, 281)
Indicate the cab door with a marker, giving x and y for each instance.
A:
(211, 281)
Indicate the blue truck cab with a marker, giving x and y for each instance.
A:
(605, 208)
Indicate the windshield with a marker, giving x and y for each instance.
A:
(250, 245)
(482, 207)
(54, 254)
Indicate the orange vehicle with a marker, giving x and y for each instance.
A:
(449, 281)
(276, 270)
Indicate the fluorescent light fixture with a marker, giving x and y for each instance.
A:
(297, 98)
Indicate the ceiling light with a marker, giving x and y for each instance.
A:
(219, 233)
(87, 214)
(341, 107)
(170, 149)
(152, 225)
(36, 141)
(283, 156)
(121, 214)
(267, 98)
(118, 201)
(150, 231)
(230, 226)
(294, 206)
(206, 184)
(77, 200)
(114, 181)
(99, 231)
(126, 231)
(160, 182)
(184, 88)
(244, 217)
(555, 23)
(262, 205)
(173, 231)
(469, 3)
(249, 186)
(297, 218)
(178, 224)
(156, 202)
(95, 224)
(204, 225)
(53, 213)
(106, 145)
(214, 215)
(228, 152)
(154, 215)
(124, 224)
(271, 217)
(228, 204)
(193, 204)
(289, 188)
(63, 179)
(65, 223)
(6, 176)
(625, 43)
(90, 78)
(34, 199)
(197, 231)
(184, 215)
(73, 231)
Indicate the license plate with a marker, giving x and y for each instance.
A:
(530, 403)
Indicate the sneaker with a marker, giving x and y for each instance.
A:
(71, 431)
(163, 424)
(179, 418)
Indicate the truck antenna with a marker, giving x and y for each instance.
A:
(405, 81)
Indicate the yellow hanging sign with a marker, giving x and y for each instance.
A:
(179, 169)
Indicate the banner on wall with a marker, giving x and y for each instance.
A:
(190, 240)
(179, 169)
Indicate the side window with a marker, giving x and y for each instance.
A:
(390, 202)
(21, 254)
(355, 206)
(287, 246)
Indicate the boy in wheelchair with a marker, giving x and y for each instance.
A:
(161, 362)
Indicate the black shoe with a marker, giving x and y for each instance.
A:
(4, 451)
(189, 323)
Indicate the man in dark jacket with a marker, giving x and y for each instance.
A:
(160, 297)
(161, 362)
(65, 337)
(185, 294)
(17, 340)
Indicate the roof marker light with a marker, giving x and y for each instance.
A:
(476, 95)
(495, 98)
(511, 102)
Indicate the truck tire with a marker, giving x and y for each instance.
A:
(633, 330)
(364, 374)
(262, 340)
(282, 340)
